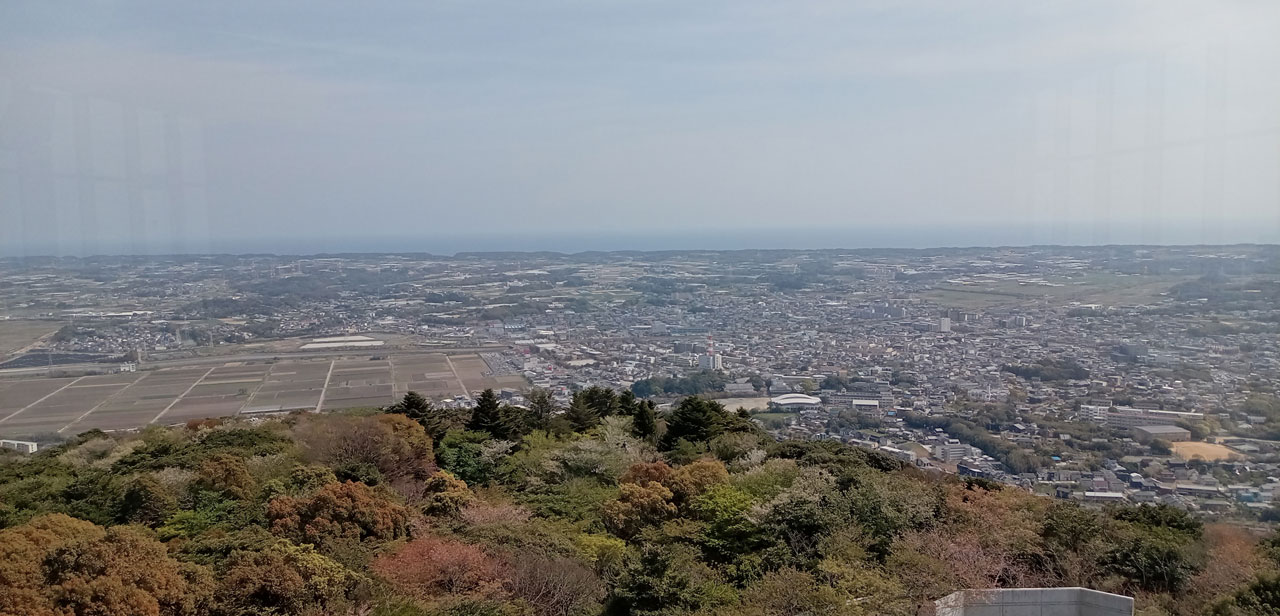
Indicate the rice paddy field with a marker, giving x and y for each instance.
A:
(131, 400)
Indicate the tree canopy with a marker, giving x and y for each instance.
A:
(606, 507)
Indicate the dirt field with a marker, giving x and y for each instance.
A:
(123, 401)
(16, 334)
(1208, 451)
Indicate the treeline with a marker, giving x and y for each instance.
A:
(1049, 369)
(1014, 458)
(602, 507)
(701, 382)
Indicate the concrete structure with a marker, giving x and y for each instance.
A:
(710, 361)
(1105, 497)
(952, 451)
(861, 403)
(23, 446)
(1173, 434)
(1034, 602)
(1128, 417)
(797, 402)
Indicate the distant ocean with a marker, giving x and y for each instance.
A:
(922, 236)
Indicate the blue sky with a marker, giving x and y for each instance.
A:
(162, 126)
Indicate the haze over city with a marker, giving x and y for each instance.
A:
(149, 127)
(640, 308)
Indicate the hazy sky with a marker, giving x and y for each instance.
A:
(195, 126)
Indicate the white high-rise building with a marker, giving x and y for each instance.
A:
(710, 361)
(952, 451)
(944, 324)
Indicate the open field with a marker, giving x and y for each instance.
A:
(16, 334)
(1210, 452)
(175, 395)
(1100, 288)
(764, 417)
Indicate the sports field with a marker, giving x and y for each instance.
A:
(1209, 452)
(176, 395)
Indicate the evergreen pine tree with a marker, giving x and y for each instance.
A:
(602, 400)
(627, 403)
(581, 416)
(542, 407)
(487, 415)
(517, 421)
(436, 421)
(644, 422)
(695, 419)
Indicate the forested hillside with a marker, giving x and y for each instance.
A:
(603, 508)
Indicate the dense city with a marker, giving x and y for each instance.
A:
(1115, 374)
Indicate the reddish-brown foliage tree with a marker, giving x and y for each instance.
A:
(480, 513)
(644, 472)
(227, 474)
(694, 478)
(1233, 561)
(396, 445)
(22, 552)
(339, 511)
(56, 565)
(638, 506)
(429, 568)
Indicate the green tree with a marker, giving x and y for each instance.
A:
(486, 416)
(444, 494)
(542, 406)
(413, 405)
(729, 532)
(644, 422)
(665, 580)
(147, 502)
(581, 415)
(517, 421)
(601, 400)
(1197, 429)
(1260, 598)
(463, 455)
(287, 579)
(1161, 516)
(627, 403)
(694, 420)
(435, 420)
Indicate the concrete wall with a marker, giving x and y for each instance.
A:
(1034, 602)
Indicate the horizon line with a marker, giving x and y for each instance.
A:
(481, 253)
